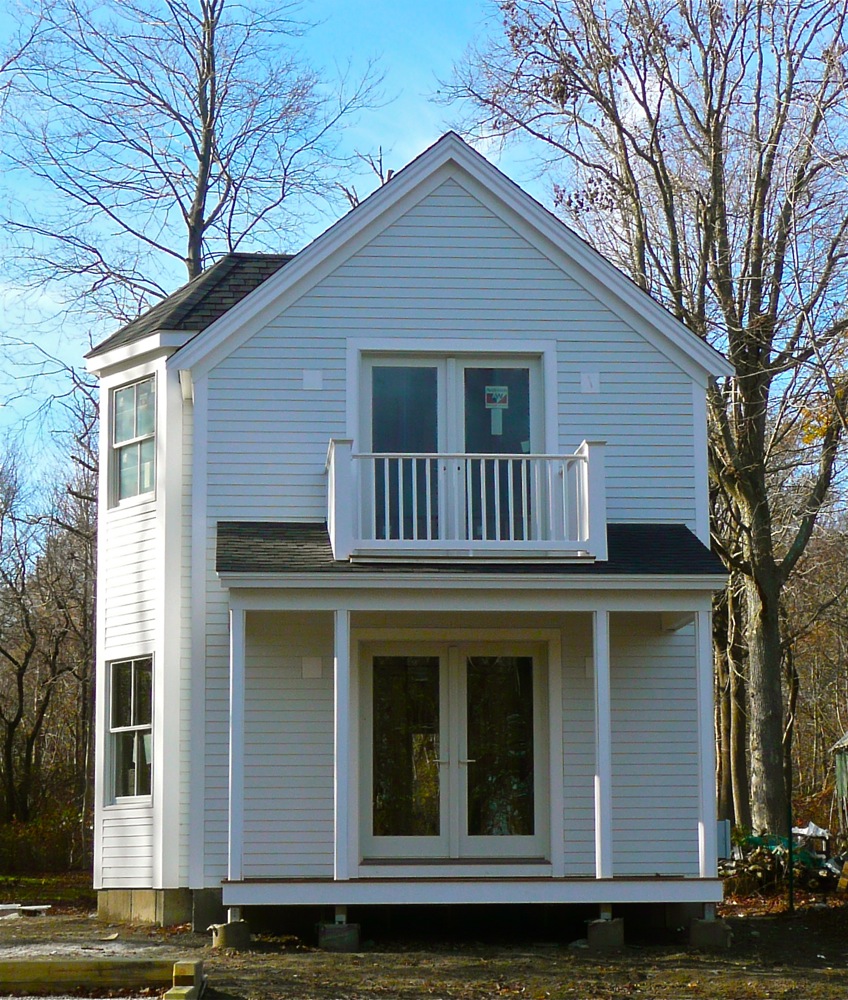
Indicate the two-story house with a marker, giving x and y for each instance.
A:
(405, 579)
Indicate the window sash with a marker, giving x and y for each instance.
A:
(133, 439)
(130, 727)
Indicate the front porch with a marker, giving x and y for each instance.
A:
(623, 801)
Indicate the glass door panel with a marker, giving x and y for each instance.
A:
(454, 753)
(497, 422)
(404, 421)
(406, 742)
(500, 737)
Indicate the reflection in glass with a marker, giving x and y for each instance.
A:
(125, 414)
(121, 695)
(404, 421)
(145, 408)
(406, 746)
(497, 422)
(500, 746)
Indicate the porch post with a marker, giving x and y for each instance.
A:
(707, 819)
(603, 746)
(341, 730)
(236, 816)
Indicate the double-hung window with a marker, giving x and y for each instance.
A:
(130, 726)
(133, 438)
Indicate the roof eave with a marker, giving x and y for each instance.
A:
(464, 581)
(161, 343)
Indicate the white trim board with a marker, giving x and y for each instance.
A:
(380, 583)
(429, 599)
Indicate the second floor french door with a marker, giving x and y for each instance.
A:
(484, 407)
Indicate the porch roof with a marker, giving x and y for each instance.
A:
(297, 547)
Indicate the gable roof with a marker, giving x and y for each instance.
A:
(241, 291)
(451, 156)
(201, 301)
(246, 547)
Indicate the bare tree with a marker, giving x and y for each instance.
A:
(47, 642)
(702, 148)
(33, 632)
(163, 132)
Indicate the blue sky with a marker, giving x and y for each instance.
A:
(414, 45)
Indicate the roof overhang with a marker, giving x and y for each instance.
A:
(162, 343)
(462, 581)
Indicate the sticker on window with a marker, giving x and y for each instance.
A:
(497, 400)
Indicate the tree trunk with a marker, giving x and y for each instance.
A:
(723, 712)
(739, 731)
(765, 700)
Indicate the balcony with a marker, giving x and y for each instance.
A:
(458, 506)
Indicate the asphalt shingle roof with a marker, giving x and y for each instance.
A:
(634, 549)
(203, 300)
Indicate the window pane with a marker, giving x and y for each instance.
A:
(404, 420)
(125, 414)
(148, 450)
(406, 746)
(121, 695)
(128, 471)
(500, 744)
(143, 691)
(143, 768)
(145, 408)
(403, 409)
(124, 763)
(497, 411)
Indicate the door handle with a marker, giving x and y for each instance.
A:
(469, 760)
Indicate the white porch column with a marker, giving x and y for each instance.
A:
(707, 846)
(236, 823)
(342, 763)
(603, 746)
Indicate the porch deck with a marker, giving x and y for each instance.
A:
(447, 890)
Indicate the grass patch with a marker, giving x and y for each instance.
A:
(62, 891)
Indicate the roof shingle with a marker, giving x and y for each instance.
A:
(634, 549)
(202, 300)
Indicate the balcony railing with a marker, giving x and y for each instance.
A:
(474, 505)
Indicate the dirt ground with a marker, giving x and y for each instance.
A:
(774, 955)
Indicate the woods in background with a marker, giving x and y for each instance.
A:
(47, 645)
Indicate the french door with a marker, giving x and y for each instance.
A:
(454, 751)
(483, 407)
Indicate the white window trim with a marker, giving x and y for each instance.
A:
(114, 463)
(110, 787)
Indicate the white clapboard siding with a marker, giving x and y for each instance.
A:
(448, 268)
(288, 758)
(126, 846)
(578, 749)
(216, 758)
(655, 748)
(128, 585)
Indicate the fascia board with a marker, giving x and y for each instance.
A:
(429, 581)
(155, 345)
